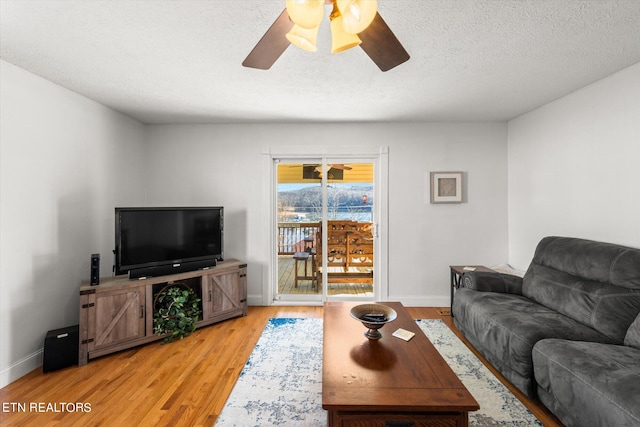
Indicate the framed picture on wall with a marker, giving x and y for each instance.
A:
(446, 187)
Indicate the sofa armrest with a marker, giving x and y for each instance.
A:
(489, 281)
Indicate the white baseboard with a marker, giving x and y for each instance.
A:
(406, 300)
(254, 300)
(21, 368)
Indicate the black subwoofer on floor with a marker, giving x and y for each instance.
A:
(60, 348)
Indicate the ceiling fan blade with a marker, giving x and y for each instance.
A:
(271, 45)
(342, 167)
(330, 166)
(382, 46)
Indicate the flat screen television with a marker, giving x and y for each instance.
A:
(160, 241)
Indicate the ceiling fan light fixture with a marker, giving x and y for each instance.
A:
(340, 39)
(376, 38)
(357, 15)
(305, 13)
(304, 38)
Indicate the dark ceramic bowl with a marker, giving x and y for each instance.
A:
(373, 317)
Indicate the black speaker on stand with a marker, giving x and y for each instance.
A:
(95, 269)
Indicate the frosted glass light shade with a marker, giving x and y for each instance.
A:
(340, 39)
(357, 15)
(305, 13)
(304, 38)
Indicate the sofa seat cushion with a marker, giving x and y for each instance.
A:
(505, 327)
(593, 384)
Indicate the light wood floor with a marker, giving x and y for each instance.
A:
(185, 383)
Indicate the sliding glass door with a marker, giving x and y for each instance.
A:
(325, 229)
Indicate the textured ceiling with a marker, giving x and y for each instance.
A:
(179, 61)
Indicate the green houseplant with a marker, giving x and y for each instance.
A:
(176, 311)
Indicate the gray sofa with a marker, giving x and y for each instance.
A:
(568, 332)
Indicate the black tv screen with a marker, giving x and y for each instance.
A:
(148, 238)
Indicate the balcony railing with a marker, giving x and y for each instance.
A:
(291, 236)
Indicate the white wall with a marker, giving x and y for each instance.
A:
(222, 165)
(574, 167)
(65, 162)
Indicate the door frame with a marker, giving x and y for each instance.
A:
(381, 179)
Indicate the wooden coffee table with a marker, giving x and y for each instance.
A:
(388, 381)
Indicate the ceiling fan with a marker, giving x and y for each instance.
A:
(314, 171)
(333, 171)
(331, 166)
(347, 19)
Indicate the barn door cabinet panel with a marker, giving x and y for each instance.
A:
(118, 313)
(110, 320)
(118, 317)
(225, 296)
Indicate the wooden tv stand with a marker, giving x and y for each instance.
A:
(118, 313)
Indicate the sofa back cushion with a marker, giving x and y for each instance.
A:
(632, 339)
(594, 283)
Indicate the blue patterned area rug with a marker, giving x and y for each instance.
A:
(498, 406)
(281, 383)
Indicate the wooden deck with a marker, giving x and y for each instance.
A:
(286, 282)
